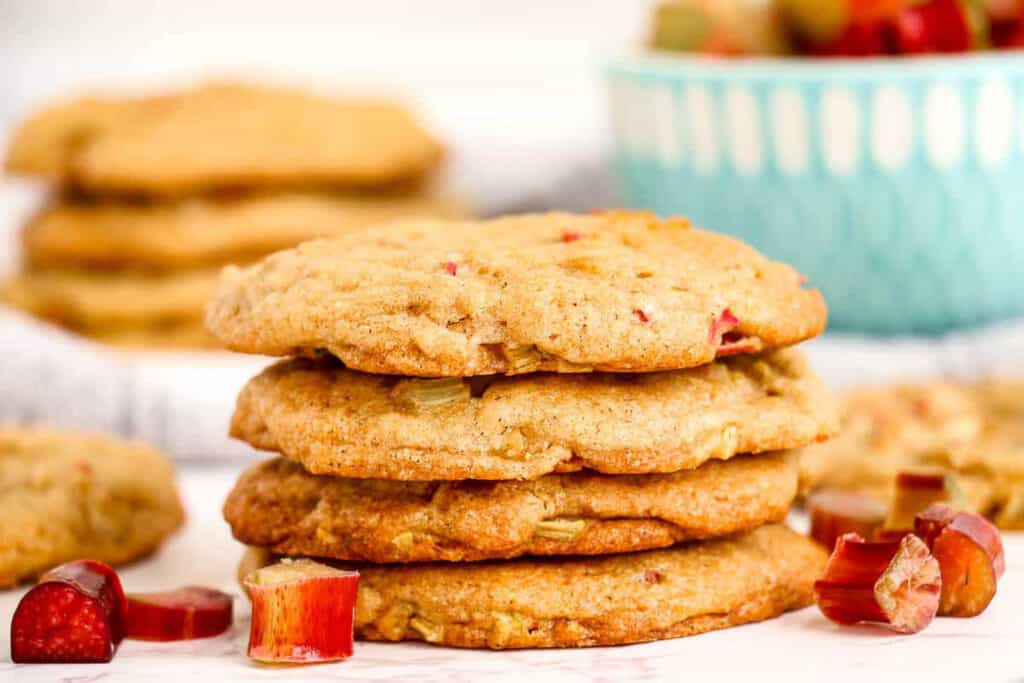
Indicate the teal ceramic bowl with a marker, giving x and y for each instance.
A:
(896, 185)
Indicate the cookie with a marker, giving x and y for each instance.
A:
(85, 300)
(45, 144)
(619, 292)
(278, 505)
(582, 602)
(207, 231)
(66, 496)
(346, 423)
(977, 432)
(233, 135)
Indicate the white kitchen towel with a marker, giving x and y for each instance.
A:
(182, 402)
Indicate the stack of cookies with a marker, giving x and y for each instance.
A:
(154, 195)
(574, 432)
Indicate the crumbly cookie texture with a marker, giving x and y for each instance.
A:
(87, 299)
(66, 496)
(337, 421)
(620, 291)
(226, 135)
(582, 602)
(208, 231)
(277, 504)
(973, 430)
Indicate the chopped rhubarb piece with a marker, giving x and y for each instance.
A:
(641, 315)
(451, 268)
(835, 513)
(74, 614)
(734, 343)
(970, 554)
(652, 576)
(916, 490)
(302, 612)
(725, 322)
(560, 529)
(570, 236)
(432, 393)
(895, 584)
(183, 614)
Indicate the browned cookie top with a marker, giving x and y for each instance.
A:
(619, 292)
(224, 136)
(348, 423)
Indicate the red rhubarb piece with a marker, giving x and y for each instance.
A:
(570, 236)
(970, 554)
(182, 614)
(722, 325)
(915, 491)
(641, 315)
(451, 268)
(302, 612)
(835, 513)
(894, 584)
(74, 614)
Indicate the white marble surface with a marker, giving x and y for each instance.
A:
(799, 646)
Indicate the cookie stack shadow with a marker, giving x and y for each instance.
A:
(153, 195)
(547, 430)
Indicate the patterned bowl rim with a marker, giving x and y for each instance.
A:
(646, 65)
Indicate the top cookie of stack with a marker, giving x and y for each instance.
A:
(623, 429)
(614, 292)
(156, 193)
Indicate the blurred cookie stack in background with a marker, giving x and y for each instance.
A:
(153, 195)
(608, 393)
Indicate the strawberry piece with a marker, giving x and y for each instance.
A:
(836, 513)
(451, 268)
(935, 26)
(302, 611)
(74, 614)
(862, 39)
(970, 554)
(894, 584)
(182, 614)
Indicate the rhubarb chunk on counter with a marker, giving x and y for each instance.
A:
(302, 612)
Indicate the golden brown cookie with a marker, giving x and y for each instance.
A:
(974, 431)
(346, 423)
(582, 602)
(884, 429)
(45, 144)
(277, 504)
(232, 135)
(87, 299)
(67, 496)
(208, 231)
(620, 291)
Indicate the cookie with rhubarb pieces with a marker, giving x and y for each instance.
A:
(67, 496)
(583, 602)
(277, 504)
(337, 421)
(620, 291)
